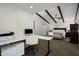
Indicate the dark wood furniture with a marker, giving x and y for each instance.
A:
(60, 29)
(67, 34)
(74, 33)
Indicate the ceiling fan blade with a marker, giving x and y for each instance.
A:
(59, 18)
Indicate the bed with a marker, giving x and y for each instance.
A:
(59, 33)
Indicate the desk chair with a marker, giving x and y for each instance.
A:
(32, 41)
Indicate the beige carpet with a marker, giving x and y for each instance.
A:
(63, 48)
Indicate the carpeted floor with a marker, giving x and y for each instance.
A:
(57, 47)
(63, 48)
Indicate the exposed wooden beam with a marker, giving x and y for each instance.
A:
(60, 13)
(76, 12)
(42, 18)
(50, 16)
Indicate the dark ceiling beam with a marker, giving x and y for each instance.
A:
(61, 13)
(42, 18)
(50, 16)
(76, 12)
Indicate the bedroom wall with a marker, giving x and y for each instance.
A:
(77, 19)
(14, 19)
(69, 16)
(40, 25)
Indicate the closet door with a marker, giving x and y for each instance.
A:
(40, 28)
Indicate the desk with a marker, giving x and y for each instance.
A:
(41, 37)
(17, 46)
(46, 38)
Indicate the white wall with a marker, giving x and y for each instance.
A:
(68, 14)
(40, 25)
(14, 19)
(25, 21)
(77, 19)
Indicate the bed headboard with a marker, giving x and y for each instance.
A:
(60, 29)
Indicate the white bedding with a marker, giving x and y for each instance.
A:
(60, 31)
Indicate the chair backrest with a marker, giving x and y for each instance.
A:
(31, 40)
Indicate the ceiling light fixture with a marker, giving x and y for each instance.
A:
(31, 6)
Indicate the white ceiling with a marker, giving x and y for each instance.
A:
(41, 7)
(36, 6)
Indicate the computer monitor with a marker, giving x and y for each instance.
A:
(28, 31)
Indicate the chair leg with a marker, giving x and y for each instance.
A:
(36, 48)
(33, 50)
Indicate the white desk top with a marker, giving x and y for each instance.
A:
(38, 36)
(44, 37)
(33, 39)
(9, 41)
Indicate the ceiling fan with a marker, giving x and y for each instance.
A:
(58, 18)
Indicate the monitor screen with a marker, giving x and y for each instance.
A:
(28, 31)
